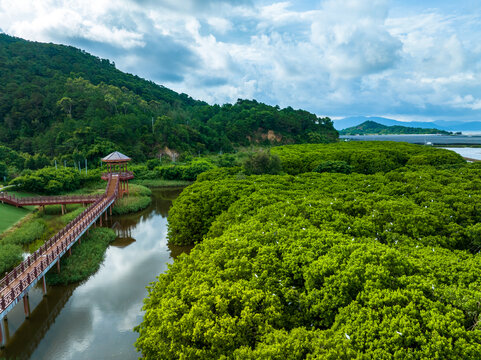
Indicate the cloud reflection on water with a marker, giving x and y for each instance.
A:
(97, 321)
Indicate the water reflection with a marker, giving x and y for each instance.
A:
(94, 320)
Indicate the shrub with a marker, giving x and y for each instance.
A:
(54, 181)
(49, 180)
(333, 167)
(10, 256)
(219, 173)
(262, 162)
(227, 160)
(26, 234)
(152, 163)
(195, 168)
(3, 170)
(172, 172)
(187, 172)
(65, 219)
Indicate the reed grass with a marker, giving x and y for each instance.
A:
(131, 204)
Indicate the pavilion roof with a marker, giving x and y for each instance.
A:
(116, 157)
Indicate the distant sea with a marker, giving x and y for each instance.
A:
(419, 139)
(443, 140)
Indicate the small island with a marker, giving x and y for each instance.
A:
(373, 128)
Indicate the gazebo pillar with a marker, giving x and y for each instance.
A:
(118, 165)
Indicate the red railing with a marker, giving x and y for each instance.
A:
(57, 244)
(47, 200)
(124, 175)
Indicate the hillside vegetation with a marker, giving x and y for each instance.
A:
(59, 101)
(324, 265)
(373, 128)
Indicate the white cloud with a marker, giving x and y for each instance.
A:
(71, 19)
(221, 25)
(336, 57)
(352, 38)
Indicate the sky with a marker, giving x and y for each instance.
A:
(403, 59)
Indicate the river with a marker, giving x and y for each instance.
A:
(94, 319)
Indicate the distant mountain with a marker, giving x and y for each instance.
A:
(357, 120)
(459, 125)
(438, 124)
(373, 128)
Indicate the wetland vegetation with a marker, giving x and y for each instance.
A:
(381, 262)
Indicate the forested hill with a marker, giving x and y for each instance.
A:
(372, 127)
(61, 101)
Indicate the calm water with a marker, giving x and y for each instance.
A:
(421, 139)
(94, 320)
(468, 152)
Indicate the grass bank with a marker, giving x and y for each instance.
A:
(85, 260)
(131, 204)
(32, 233)
(12, 245)
(138, 199)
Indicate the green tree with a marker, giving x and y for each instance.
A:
(3, 170)
(65, 104)
(262, 162)
(334, 166)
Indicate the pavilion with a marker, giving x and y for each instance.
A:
(117, 165)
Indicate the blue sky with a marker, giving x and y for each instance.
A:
(409, 60)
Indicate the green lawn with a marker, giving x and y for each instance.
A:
(10, 215)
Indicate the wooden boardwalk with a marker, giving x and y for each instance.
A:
(47, 200)
(15, 285)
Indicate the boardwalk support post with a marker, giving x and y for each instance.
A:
(44, 286)
(6, 330)
(58, 264)
(26, 306)
(3, 332)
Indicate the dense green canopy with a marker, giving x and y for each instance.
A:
(326, 266)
